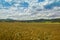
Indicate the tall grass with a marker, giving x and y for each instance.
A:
(29, 31)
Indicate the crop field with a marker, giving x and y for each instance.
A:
(29, 31)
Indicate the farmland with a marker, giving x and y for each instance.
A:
(29, 31)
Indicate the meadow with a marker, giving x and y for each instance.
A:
(29, 31)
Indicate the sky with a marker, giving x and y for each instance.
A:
(29, 9)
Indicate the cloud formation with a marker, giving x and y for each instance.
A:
(29, 9)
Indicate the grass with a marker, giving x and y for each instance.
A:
(29, 31)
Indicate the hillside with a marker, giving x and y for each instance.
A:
(38, 20)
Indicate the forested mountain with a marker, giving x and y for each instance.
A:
(39, 20)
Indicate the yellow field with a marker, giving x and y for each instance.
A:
(29, 31)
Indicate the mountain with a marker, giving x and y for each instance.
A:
(39, 20)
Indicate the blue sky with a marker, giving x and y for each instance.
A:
(25, 8)
(26, 4)
(7, 4)
(41, 0)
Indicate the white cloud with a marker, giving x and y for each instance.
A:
(8, 0)
(19, 13)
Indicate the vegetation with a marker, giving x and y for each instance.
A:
(29, 31)
(39, 20)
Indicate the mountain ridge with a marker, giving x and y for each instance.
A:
(37, 20)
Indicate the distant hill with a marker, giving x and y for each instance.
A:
(39, 20)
